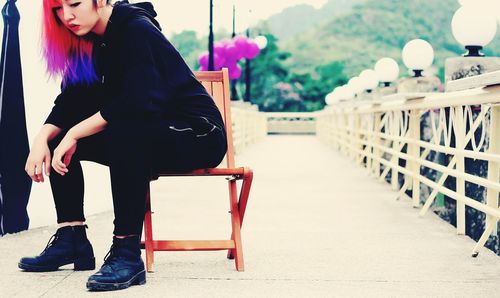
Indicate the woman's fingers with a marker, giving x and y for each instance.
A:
(58, 165)
(39, 172)
(47, 165)
(62, 166)
(37, 169)
(67, 160)
(55, 164)
(31, 171)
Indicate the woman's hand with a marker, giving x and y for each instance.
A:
(38, 160)
(65, 149)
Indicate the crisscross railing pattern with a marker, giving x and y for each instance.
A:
(400, 138)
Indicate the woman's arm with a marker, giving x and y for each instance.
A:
(87, 127)
(48, 132)
(39, 157)
(67, 147)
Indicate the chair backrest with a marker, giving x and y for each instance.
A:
(217, 85)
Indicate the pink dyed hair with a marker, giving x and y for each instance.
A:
(67, 55)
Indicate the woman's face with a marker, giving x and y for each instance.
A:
(79, 16)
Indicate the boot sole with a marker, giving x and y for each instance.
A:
(138, 279)
(79, 265)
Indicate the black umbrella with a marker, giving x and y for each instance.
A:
(15, 185)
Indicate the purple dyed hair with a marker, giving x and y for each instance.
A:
(67, 55)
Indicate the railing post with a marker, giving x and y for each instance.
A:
(414, 151)
(459, 129)
(493, 167)
(356, 139)
(395, 146)
(333, 130)
(341, 133)
(377, 141)
(349, 124)
(369, 148)
(406, 131)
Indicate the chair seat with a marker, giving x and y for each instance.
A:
(241, 171)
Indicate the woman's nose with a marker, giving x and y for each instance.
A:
(68, 14)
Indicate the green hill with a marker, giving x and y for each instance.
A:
(301, 18)
(362, 34)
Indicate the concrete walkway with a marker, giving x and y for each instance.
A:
(316, 226)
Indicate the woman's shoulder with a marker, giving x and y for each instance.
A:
(140, 25)
(139, 29)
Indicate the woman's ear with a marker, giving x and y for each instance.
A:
(101, 3)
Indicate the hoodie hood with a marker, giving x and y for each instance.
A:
(123, 11)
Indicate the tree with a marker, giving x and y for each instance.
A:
(189, 46)
(313, 91)
(267, 71)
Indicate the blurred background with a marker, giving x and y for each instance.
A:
(307, 48)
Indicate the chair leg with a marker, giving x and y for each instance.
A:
(245, 191)
(148, 234)
(242, 204)
(236, 225)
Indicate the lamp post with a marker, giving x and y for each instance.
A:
(356, 86)
(387, 70)
(418, 55)
(369, 80)
(259, 42)
(234, 92)
(15, 185)
(473, 28)
(211, 39)
(247, 72)
(346, 93)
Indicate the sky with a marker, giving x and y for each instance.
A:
(194, 14)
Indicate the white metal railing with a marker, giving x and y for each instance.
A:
(379, 135)
(291, 123)
(249, 125)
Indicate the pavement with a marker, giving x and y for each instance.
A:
(317, 225)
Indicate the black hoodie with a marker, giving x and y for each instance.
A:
(142, 76)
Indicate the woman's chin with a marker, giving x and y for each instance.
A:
(79, 32)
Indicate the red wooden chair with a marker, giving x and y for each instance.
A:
(217, 85)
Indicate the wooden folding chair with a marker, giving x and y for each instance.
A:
(217, 85)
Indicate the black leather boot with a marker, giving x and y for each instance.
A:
(69, 245)
(122, 268)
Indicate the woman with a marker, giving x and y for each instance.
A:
(128, 101)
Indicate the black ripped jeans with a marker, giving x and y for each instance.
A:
(133, 150)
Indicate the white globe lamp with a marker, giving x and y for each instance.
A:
(369, 79)
(345, 93)
(355, 85)
(474, 27)
(387, 70)
(330, 98)
(261, 41)
(418, 55)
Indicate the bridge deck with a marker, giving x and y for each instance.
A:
(307, 233)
